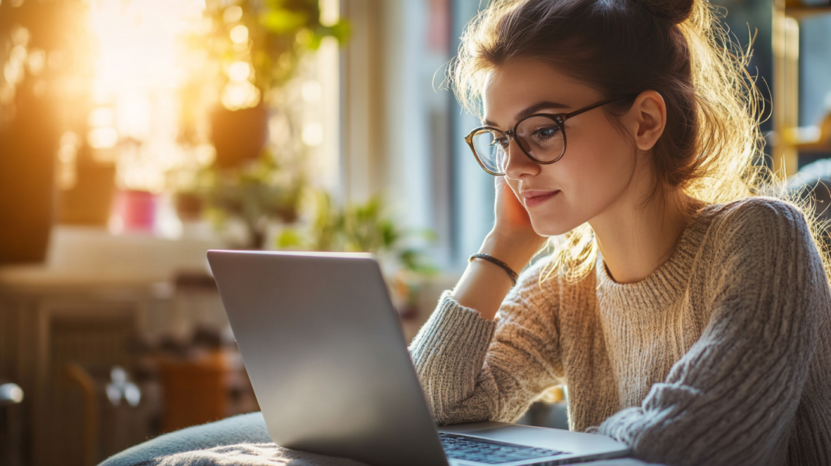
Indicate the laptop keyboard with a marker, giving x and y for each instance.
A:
(487, 451)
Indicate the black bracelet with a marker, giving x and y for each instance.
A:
(498, 262)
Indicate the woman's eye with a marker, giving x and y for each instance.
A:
(501, 141)
(545, 133)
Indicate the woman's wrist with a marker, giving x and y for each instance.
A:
(516, 252)
(483, 285)
(487, 257)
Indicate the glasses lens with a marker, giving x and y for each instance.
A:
(541, 137)
(490, 148)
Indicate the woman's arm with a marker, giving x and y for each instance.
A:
(474, 369)
(467, 373)
(484, 285)
(732, 398)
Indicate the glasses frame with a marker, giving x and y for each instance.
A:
(559, 118)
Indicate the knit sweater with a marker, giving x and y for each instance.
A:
(722, 356)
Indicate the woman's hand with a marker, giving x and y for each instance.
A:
(512, 238)
(511, 216)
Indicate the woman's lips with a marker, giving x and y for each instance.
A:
(533, 199)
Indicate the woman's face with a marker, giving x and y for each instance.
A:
(599, 160)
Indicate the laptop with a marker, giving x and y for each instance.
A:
(330, 368)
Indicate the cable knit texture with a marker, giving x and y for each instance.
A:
(722, 356)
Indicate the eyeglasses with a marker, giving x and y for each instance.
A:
(541, 136)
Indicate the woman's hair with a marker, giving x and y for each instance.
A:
(622, 48)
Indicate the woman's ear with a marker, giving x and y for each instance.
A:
(648, 117)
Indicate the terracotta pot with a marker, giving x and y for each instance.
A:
(189, 206)
(28, 144)
(238, 135)
(89, 202)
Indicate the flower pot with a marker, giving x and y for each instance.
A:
(28, 144)
(136, 210)
(238, 135)
(189, 206)
(89, 201)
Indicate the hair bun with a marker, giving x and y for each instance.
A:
(674, 11)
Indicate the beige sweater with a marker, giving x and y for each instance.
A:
(721, 356)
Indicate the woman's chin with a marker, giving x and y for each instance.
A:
(551, 230)
(555, 223)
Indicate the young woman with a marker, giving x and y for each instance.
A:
(687, 318)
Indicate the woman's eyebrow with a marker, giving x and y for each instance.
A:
(532, 110)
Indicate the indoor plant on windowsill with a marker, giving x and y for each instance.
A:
(256, 195)
(366, 227)
(260, 45)
(42, 56)
(250, 52)
(252, 49)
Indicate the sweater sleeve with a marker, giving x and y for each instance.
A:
(732, 398)
(474, 370)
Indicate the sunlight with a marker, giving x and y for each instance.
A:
(140, 64)
(139, 42)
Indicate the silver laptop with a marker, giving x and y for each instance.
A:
(330, 368)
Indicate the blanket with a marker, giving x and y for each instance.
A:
(269, 454)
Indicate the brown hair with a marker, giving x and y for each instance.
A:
(624, 47)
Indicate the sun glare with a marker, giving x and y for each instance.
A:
(139, 68)
(139, 41)
(239, 34)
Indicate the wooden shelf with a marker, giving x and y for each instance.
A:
(802, 12)
(810, 139)
(808, 148)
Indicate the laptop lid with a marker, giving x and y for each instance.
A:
(326, 356)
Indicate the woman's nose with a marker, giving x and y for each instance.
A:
(518, 164)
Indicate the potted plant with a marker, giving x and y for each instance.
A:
(42, 47)
(366, 227)
(255, 194)
(252, 50)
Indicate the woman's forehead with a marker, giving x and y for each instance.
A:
(510, 89)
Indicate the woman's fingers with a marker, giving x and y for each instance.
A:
(513, 235)
(509, 209)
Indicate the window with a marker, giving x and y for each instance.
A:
(402, 134)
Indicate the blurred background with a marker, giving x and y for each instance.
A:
(137, 134)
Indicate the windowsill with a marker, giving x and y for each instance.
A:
(94, 256)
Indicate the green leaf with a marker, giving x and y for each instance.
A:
(342, 31)
(283, 22)
(290, 238)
